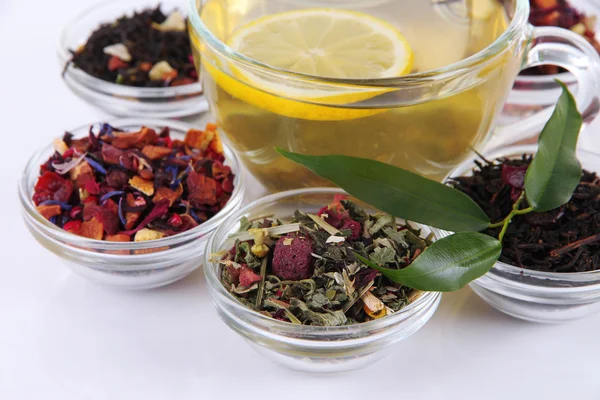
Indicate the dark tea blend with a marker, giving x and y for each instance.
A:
(566, 239)
(147, 49)
(305, 271)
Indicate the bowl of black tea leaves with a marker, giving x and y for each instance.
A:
(549, 269)
(132, 58)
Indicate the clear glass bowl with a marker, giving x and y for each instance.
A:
(547, 297)
(300, 347)
(121, 100)
(131, 265)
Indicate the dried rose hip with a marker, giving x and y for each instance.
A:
(124, 186)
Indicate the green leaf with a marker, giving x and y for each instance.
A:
(448, 264)
(397, 191)
(554, 172)
(382, 256)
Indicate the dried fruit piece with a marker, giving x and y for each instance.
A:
(156, 152)
(119, 237)
(144, 186)
(126, 140)
(162, 71)
(174, 23)
(118, 50)
(49, 211)
(293, 261)
(52, 186)
(199, 139)
(115, 63)
(202, 189)
(248, 277)
(166, 193)
(92, 229)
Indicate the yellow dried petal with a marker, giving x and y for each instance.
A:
(579, 28)
(260, 250)
(259, 235)
(372, 303)
(147, 234)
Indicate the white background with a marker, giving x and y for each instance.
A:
(62, 337)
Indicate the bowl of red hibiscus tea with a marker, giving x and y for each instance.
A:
(130, 203)
(132, 58)
(549, 269)
(283, 274)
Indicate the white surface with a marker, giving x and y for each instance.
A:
(62, 337)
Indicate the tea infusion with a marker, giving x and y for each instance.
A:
(429, 137)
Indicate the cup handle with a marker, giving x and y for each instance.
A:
(567, 49)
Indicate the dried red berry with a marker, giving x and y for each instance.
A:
(52, 186)
(175, 220)
(292, 259)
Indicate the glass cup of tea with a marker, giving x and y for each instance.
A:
(413, 83)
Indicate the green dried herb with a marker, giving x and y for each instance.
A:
(335, 282)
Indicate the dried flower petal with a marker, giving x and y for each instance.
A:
(148, 234)
(67, 166)
(118, 50)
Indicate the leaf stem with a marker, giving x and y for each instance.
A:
(509, 217)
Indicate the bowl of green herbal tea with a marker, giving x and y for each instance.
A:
(292, 274)
(132, 58)
(549, 268)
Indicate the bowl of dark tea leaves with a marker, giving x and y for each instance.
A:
(132, 58)
(549, 269)
(293, 273)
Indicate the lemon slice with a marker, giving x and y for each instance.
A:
(323, 42)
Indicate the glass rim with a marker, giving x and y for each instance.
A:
(513, 269)
(518, 24)
(218, 289)
(45, 227)
(102, 86)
